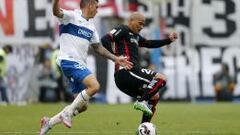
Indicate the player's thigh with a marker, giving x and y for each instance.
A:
(126, 83)
(143, 77)
(160, 76)
(76, 73)
(132, 82)
(146, 74)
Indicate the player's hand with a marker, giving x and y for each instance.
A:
(123, 61)
(173, 36)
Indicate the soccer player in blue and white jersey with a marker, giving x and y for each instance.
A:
(76, 35)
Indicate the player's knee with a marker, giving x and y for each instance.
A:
(92, 84)
(95, 87)
(160, 77)
(156, 97)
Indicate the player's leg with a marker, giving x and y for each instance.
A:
(48, 123)
(3, 91)
(81, 100)
(127, 83)
(78, 105)
(84, 84)
(152, 104)
(130, 83)
(153, 87)
(56, 119)
(156, 82)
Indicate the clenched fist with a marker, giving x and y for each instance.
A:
(173, 36)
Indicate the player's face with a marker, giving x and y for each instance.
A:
(93, 9)
(137, 25)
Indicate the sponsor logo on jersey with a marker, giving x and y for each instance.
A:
(84, 33)
(133, 40)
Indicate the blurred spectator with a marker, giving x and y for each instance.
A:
(155, 59)
(3, 73)
(57, 73)
(62, 94)
(48, 83)
(224, 84)
(155, 54)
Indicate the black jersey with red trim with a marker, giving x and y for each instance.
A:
(125, 43)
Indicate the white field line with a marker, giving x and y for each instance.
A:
(116, 132)
(72, 133)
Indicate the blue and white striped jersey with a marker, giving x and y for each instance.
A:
(76, 34)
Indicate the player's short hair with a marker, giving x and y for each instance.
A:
(83, 3)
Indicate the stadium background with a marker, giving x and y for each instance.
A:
(208, 30)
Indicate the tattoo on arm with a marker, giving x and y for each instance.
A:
(98, 48)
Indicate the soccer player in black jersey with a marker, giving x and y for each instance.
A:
(143, 84)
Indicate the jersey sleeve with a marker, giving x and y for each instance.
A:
(153, 43)
(67, 16)
(142, 40)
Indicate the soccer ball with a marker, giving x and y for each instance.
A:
(146, 128)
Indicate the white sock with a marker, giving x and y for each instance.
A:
(85, 95)
(56, 118)
(81, 99)
(78, 110)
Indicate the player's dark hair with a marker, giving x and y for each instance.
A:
(84, 3)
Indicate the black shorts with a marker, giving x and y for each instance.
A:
(131, 82)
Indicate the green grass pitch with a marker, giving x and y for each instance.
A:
(103, 119)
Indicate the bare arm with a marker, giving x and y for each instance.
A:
(122, 61)
(104, 52)
(56, 9)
